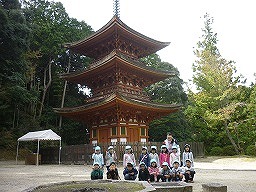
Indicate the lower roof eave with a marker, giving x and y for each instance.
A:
(114, 101)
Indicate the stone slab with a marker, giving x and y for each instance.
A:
(172, 187)
(214, 187)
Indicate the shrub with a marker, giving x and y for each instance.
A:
(251, 150)
(229, 150)
(215, 151)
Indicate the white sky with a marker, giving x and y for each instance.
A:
(180, 23)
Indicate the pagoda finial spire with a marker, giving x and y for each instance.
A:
(116, 6)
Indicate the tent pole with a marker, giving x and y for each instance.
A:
(59, 152)
(17, 153)
(37, 162)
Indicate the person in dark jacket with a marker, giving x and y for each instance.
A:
(130, 173)
(97, 173)
(113, 172)
(144, 156)
(143, 173)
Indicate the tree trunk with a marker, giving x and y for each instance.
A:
(230, 137)
(36, 103)
(18, 117)
(64, 92)
(14, 117)
(46, 86)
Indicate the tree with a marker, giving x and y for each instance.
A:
(169, 90)
(14, 42)
(215, 103)
(52, 27)
(31, 58)
(244, 119)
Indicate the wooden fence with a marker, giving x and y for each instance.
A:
(81, 154)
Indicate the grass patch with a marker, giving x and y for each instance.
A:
(109, 186)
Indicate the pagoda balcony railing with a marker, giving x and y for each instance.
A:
(102, 59)
(102, 96)
(120, 53)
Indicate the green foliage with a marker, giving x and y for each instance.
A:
(169, 90)
(228, 150)
(14, 42)
(214, 108)
(7, 140)
(251, 150)
(216, 151)
(31, 39)
(79, 132)
(152, 60)
(174, 123)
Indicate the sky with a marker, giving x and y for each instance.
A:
(180, 22)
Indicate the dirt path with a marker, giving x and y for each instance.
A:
(237, 173)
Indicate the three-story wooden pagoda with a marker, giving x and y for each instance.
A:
(118, 110)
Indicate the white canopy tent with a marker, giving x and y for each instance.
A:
(38, 136)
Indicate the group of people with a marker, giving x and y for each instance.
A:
(153, 167)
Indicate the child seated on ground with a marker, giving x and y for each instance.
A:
(176, 172)
(154, 171)
(189, 171)
(113, 172)
(143, 172)
(130, 173)
(165, 172)
(96, 173)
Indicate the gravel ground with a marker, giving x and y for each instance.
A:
(237, 173)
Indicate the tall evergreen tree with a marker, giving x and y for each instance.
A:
(214, 105)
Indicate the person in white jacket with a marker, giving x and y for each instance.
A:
(174, 156)
(187, 154)
(170, 142)
(110, 156)
(128, 156)
(153, 155)
(98, 157)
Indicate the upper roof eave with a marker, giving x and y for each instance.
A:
(118, 22)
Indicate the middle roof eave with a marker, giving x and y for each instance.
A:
(108, 61)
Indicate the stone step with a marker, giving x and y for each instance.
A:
(214, 187)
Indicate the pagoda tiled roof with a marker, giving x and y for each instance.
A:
(80, 75)
(119, 98)
(113, 29)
